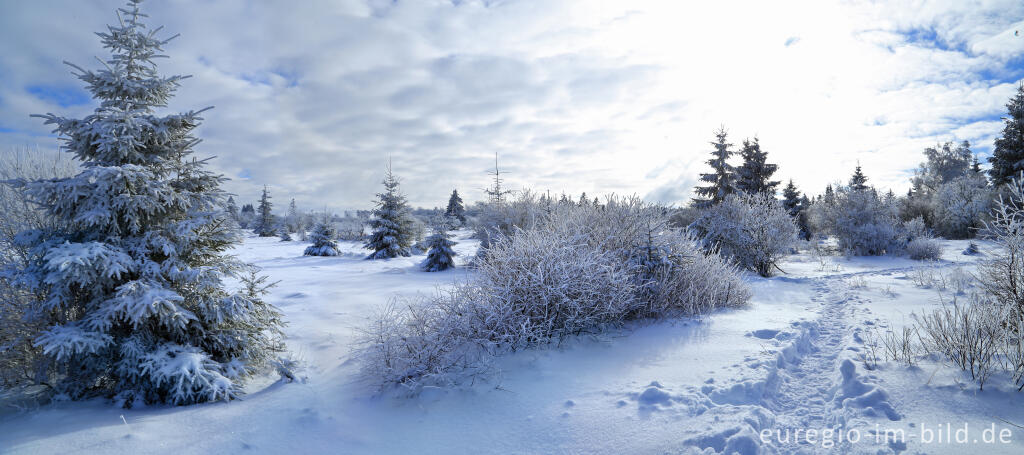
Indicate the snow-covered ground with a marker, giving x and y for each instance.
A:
(789, 360)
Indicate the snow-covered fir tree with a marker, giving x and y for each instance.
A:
(440, 255)
(456, 209)
(391, 223)
(293, 221)
(231, 208)
(791, 198)
(132, 300)
(283, 234)
(754, 175)
(1008, 155)
(858, 181)
(265, 226)
(246, 216)
(720, 182)
(323, 240)
(584, 200)
(496, 193)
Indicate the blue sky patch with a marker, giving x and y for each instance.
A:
(62, 96)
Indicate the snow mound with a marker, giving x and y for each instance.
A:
(856, 395)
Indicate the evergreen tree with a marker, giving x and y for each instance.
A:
(1008, 156)
(246, 216)
(791, 198)
(976, 165)
(754, 175)
(584, 200)
(132, 301)
(796, 205)
(392, 224)
(440, 255)
(858, 181)
(264, 225)
(231, 208)
(496, 193)
(293, 221)
(323, 240)
(455, 208)
(721, 180)
(283, 234)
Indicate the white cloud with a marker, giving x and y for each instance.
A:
(596, 96)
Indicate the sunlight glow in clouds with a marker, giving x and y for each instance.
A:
(595, 96)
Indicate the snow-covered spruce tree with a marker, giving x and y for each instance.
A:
(283, 234)
(754, 175)
(858, 181)
(440, 255)
(720, 182)
(135, 305)
(265, 226)
(293, 220)
(231, 208)
(1008, 155)
(456, 209)
(752, 230)
(246, 216)
(391, 223)
(323, 240)
(796, 205)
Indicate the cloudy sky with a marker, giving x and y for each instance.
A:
(313, 97)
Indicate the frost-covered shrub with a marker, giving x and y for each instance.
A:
(864, 223)
(924, 249)
(21, 363)
(350, 229)
(580, 269)
(323, 241)
(961, 205)
(915, 229)
(497, 220)
(970, 335)
(138, 266)
(1002, 276)
(754, 231)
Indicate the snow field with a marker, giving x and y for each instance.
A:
(789, 360)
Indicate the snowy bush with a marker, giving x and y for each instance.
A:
(969, 335)
(580, 269)
(350, 229)
(323, 241)
(21, 363)
(1002, 277)
(863, 223)
(924, 249)
(136, 274)
(961, 205)
(754, 231)
(497, 220)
